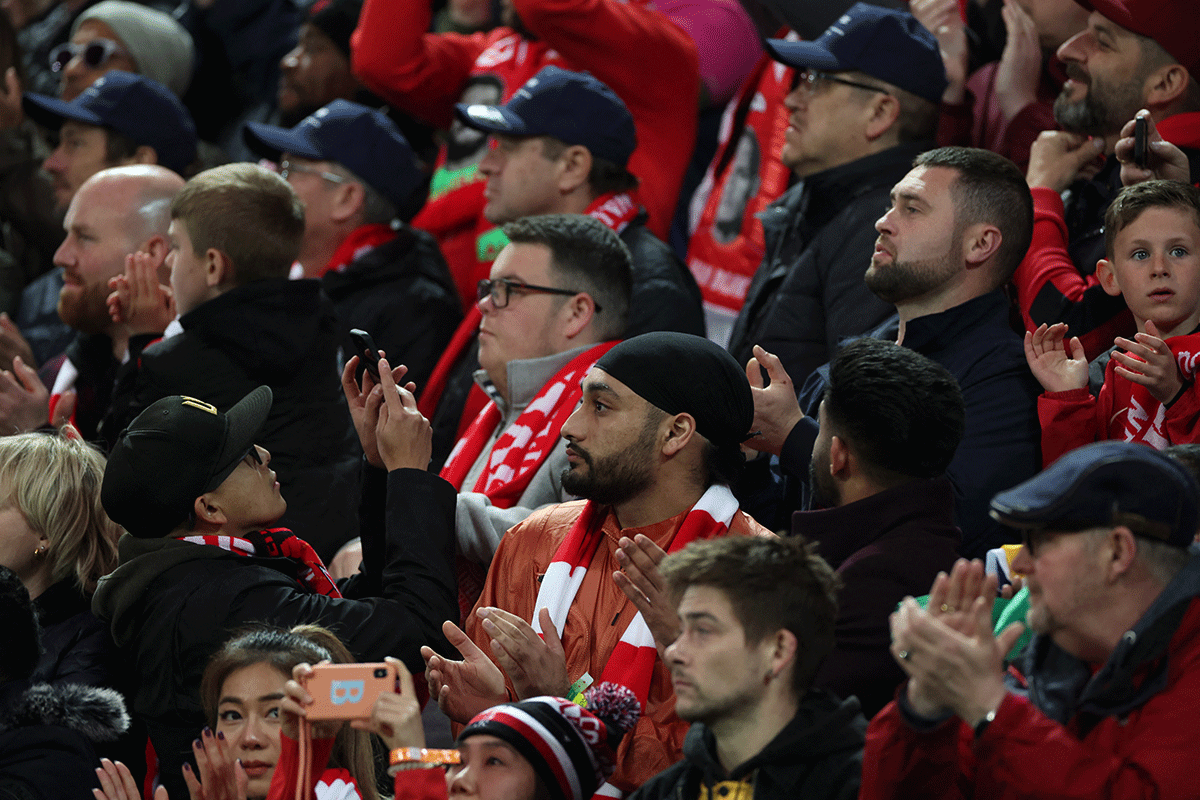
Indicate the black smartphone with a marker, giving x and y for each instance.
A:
(367, 352)
(1139, 142)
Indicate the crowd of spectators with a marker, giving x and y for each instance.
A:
(663, 398)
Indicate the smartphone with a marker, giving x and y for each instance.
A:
(348, 691)
(1139, 142)
(367, 352)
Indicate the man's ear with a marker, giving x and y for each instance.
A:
(1107, 277)
(348, 200)
(208, 511)
(1120, 552)
(679, 429)
(157, 248)
(980, 243)
(841, 460)
(578, 313)
(784, 647)
(218, 268)
(1166, 85)
(144, 154)
(884, 112)
(574, 166)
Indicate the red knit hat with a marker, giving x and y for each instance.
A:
(1174, 24)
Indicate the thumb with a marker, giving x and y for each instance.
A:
(7, 323)
(1152, 329)
(64, 409)
(1009, 636)
(549, 632)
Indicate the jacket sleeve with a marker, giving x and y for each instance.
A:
(420, 73)
(1069, 420)
(1050, 287)
(900, 761)
(1182, 422)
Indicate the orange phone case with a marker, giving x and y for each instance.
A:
(348, 691)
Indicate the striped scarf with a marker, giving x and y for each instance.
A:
(277, 543)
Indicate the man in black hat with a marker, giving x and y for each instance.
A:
(360, 184)
(1107, 702)
(652, 448)
(199, 499)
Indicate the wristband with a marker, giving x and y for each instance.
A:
(403, 758)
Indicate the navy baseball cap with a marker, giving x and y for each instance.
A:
(1108, 483)
(573, 107)
(884, 43)
(134, 105)
(173, 452)
(361, 139)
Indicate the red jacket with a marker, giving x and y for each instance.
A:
(1147, 752)
(640, 54)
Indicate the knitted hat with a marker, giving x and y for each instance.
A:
(161, 47)
(568, 746)
(337, 19)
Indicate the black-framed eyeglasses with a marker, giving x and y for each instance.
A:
(811, 79)
(289, 167)
(95, 53)
(500, 289)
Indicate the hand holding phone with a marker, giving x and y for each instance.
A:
(368, 353)
(348, 691)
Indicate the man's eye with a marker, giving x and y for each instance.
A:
(1179, 252)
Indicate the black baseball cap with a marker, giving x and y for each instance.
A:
(173, 452)
(1107, 483)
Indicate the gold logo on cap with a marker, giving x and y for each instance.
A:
(200, 404)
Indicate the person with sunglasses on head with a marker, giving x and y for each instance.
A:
(864, 104)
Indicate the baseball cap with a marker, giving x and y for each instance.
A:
(1173, 24)
(573, 107)
(1108, 483)
(173, 452)
(142, 109)
(884, 43)
(361, 139)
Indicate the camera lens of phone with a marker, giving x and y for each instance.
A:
(380, 672)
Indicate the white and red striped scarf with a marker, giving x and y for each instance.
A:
(277, 543)
(632, 661)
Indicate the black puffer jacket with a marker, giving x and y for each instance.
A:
(283, 334)
(46, 736)
(402, 294)
(817, 756)
(665, 295)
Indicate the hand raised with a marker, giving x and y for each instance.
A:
(642, 583)
(776, 409)
(1057, 158)
(364, 403)
(402, 434)
(1163, 159)
(396, 717)
(463, 688)
(1150, 362)
(1059, 365)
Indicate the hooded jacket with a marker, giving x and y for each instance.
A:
(1124, 730)
(283, 334)
(46, 736)
(817, 756)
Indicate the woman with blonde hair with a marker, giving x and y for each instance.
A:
(55, 535)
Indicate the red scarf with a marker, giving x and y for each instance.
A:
(615, 209)
(277, 543)
(1144, 415)
(362, 239)
(522, 448)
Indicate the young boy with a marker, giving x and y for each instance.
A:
(1152, 241)
(235, 232)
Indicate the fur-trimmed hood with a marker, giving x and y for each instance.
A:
(96, 713)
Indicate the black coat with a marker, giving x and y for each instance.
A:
(171, 603)
(817, 756)
(283, 334)
(402, 294)
(665, 295)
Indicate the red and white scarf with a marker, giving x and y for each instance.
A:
(615, 209)
(1145, 415)
(360, 241)
(522, 448)
(277, 543)
(632, 661)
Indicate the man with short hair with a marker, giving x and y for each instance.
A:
(957, 227)
(1131, 56)
(1106, 695)
(652, 449)
(865, 103)
(890, 422)
(758, 618)
(235, 232)
(203, 556)
(360, 183)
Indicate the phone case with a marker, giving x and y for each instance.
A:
(348, 691)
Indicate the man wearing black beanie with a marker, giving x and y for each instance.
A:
(652, 449)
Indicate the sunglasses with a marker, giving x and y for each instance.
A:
(95, 53)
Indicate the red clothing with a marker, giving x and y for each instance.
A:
(1124, 410)
(1148, 752)
(595, 621)
(978, 121)
(329, 783)
(620, 43)
(1048, 277)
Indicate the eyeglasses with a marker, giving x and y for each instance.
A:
(287, 167)
(95, 53)
(811, 78)
(252, 453)
(500, 289)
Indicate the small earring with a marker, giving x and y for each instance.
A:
(40, 551)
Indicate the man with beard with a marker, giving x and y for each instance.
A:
(958, 225)
(115, 213)
(758, 621)
(1107, 701)
(652, 448)
(1133, 55)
